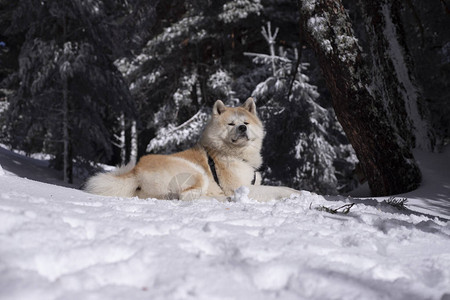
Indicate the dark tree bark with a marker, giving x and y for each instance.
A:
(385, 158)
(391, 75)
(67, 153)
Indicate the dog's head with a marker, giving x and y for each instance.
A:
(234, 127)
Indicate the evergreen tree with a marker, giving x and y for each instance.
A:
(178, 57)
(315, 156)
(184, 68)
(70, 94)
(198, 58)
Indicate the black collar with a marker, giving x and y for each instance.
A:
(212, 167)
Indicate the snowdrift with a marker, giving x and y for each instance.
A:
(62, 243)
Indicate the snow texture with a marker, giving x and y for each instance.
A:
(309, 5)
(319, 28)
(62, 243)
(239, 9)
(168, 138)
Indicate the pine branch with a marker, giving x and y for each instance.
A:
(345, 209)
(118, 145)
(270, 38)
(265, 56)
(268, 35)
(399, 204)
(185, 123)
(299, 59)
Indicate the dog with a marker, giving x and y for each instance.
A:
(226, 157)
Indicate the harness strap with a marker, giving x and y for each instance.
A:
(212, 167)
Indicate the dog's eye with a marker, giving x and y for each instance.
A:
(245, 123)
(231, 124)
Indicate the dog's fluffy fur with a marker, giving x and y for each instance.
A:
(232, 138)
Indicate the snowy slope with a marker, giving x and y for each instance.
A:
(35, 168)
(61, 243)
(433, 196)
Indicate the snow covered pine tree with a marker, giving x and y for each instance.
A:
(183, 68)
(70, 93)
(309, 134)
(386, 161)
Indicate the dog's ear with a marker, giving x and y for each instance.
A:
(250, 105)
(219, 107)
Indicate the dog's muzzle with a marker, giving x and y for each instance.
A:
(240, 134)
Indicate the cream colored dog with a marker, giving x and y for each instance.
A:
(226, 157)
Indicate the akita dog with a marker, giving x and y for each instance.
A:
(226, 158)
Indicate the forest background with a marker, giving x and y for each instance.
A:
(91, 81)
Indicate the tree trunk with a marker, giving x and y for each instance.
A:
(134, 142)
(131, 142)
(391, 74)
(67, 156)
(385, 158)
(121, 138)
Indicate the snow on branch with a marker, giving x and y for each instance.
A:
(240, 9)
(168, 138)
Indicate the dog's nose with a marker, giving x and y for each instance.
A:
(242, 128)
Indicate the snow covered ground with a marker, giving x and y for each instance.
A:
(61, 243)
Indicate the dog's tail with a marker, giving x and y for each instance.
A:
(121, 182)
